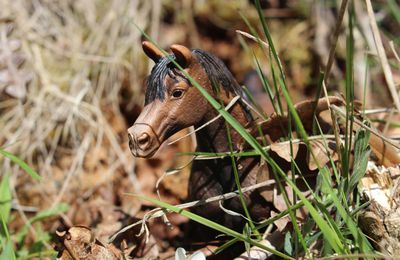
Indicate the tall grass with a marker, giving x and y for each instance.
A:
(76, 74)
(333, 208)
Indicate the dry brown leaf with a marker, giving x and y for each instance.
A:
(281, 223)
(277, 126)
(79, 243)
(263, 175)
(280, 204)
(286, 151)
(322, 154)
(386, 153)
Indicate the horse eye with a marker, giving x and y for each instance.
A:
(177, 93)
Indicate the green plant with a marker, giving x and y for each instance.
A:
(8, 250)
(333, 216)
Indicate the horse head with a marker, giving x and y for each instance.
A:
(171, 102)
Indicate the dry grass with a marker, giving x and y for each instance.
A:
(64, 63)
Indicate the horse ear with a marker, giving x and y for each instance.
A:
(152, 51)
(183, 54)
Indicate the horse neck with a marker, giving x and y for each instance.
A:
(214, 137)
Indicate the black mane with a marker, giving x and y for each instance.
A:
(155, 87)
(218, 73)
(216, 70)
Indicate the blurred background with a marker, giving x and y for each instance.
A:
(72, 81)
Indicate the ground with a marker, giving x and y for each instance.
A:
(72, 82)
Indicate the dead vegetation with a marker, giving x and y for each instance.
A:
(71, 82)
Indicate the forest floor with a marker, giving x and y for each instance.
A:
(72, 82)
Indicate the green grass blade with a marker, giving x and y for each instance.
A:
(394, 9)
(266, 86)
(238, 186)
(211, 224)
(349, 93)
(54, 211)
(329, 234)
(58, 209)
(317, 96)
(365, 246)
(8, 251)
(264, 223)
(331, 237)
(269, 38)
(292, 214)
(257, 107)
(5, 235)
(361, 156)
(21, 164)
(5, 198)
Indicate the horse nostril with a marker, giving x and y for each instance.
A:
(143, 141)
(131, 142)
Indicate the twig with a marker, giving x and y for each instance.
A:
(266, 148)
(382, 56)
(253, 108)
(158, 212)
(335, 127)
(335, 40)
(358, 122)
(231, 103)
(248, 35)
(229, 106)
(169, 173)
(394, 51)
(30, 209)
(380, 110)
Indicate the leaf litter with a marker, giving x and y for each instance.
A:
(60, 112)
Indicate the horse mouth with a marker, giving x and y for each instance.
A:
(140, 150)
(144, 154)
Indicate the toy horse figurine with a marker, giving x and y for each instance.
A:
(172, 104)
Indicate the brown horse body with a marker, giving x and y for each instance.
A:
(171, 104)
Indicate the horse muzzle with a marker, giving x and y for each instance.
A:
(143, 142)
